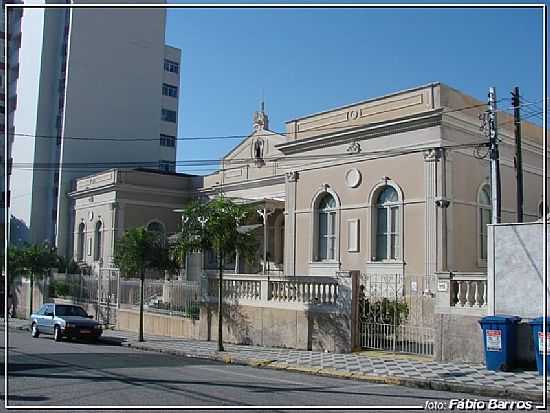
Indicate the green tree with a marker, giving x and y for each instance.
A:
(215, 225)
(136, 251)
(34, 260)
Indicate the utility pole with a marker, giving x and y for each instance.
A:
(518, 162)
(494, 156)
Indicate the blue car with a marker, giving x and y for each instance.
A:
(64, 320)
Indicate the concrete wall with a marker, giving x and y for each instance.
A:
(158, 324)
(515, 269)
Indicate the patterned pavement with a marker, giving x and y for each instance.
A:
(375, 366)
(423, 371)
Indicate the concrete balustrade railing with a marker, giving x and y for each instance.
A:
(462, 292)
(308, 290)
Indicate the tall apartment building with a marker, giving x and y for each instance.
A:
(98, 88)
(9, 72)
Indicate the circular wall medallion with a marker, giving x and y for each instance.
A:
(91, 215)
(353, 178)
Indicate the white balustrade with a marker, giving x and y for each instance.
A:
(300, 290)
(468, 290)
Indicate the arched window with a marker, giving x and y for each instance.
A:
(327, 228)
(80, 244)
(484, 218)
(98, 240)
(157, 227)
(387, 224)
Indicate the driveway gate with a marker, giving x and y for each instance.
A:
(396, 312)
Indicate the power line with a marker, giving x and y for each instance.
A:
(84, 166)
(199, 138)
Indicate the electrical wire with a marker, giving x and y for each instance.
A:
(220, 137)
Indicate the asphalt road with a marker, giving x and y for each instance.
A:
(42, 372)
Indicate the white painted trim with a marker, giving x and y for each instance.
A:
(314, 224)
(372, 217)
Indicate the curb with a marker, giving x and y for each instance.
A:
(438, 385)
(433, 384)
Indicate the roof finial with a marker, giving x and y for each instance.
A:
(260, 117)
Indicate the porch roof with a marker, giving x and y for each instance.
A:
(275, 203)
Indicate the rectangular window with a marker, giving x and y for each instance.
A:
(167, 166)
(169, 90)
(169, 116)
(167, 140)
(171, 66)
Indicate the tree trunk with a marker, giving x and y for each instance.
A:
(141, 288)
(220, 301)
(31, 294)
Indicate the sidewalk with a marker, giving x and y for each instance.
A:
(371, 366)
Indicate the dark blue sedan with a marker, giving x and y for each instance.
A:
(64, 320)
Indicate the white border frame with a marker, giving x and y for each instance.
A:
(541, 6)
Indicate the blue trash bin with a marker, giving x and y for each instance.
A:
(538, 338)
(499, 341)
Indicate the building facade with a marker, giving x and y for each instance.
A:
(392, 185)
(98, 88)
(8, 97)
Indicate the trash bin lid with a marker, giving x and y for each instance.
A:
(500, 319)
(538, 320)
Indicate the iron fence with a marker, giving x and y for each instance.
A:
(396, 312)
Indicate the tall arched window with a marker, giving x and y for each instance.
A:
(158, 228)
(80, 244)
(98, 240)
(327, 228)
(387, 224)
(484, 218)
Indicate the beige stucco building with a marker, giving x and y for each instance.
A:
(394, 190)
(394, 184)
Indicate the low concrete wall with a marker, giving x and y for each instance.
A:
(21, 297)
(460, 338)
(276, 327)
(158, 324)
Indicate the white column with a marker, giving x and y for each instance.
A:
(290, 224)
(431, 159)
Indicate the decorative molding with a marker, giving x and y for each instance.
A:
(353, 178)
(354, 148)
(292, 176)
(432, 155)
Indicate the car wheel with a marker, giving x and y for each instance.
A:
(34, 331)
(57, 333)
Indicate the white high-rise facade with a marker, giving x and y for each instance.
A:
(98, 88)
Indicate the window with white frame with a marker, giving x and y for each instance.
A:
(169, 116)
(167, 140)
(326, 211)
(484, 218)
(169, 90)
(387, 225)
(171, 66)
(98, 240)
(80, 244)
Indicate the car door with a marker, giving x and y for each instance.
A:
(39, 318)
(48, 319)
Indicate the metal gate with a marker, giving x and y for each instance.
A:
(396, 312)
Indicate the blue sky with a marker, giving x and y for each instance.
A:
(309, 60)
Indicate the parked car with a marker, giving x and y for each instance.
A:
(64, 320)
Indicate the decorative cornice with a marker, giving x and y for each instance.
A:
(348, 136)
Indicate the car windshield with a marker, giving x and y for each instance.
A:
(69, 310)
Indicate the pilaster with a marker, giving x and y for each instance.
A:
(290, 223)
(431, 160)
